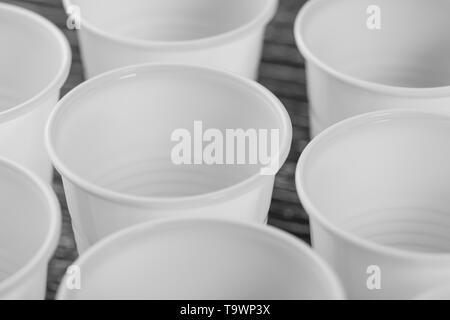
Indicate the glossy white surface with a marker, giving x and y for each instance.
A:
(375, 187)
(439, 293)
(352, 69)
(29, 232)
(34, 63)
(227, 35)
(110, 138)
(203, 259)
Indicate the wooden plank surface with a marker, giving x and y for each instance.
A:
(282, 71)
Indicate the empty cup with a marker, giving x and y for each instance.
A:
(116, 142)
(34, 62)
(227, 35)
(376, 190)
(369, 55)
(29, 232)
(201, 259)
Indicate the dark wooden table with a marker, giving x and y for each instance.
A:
(282, 71)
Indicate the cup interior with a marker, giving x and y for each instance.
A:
(25, 221)
(31, 56)
(410, 50)
(385, 179)
(170, 20)
(201, 260)
(117, 130)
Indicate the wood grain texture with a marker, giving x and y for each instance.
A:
(282, 71)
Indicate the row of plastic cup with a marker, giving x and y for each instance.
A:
(387, 211)
(374, 186)
(351, 68)
(176, 259)
(219, 34)
(107, 137)
(35, 60)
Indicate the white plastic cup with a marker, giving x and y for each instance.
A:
(438, 293)
(201, 259)
(30, 223)
(227, 35)
(34, 62)
(110, 139)
(354, 68)
(376, 190)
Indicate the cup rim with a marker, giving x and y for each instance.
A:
(50, 242)
(299, 26)
(261, 19)
(172, 202)
(276, 235)
(315, 213)
(63, 72)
